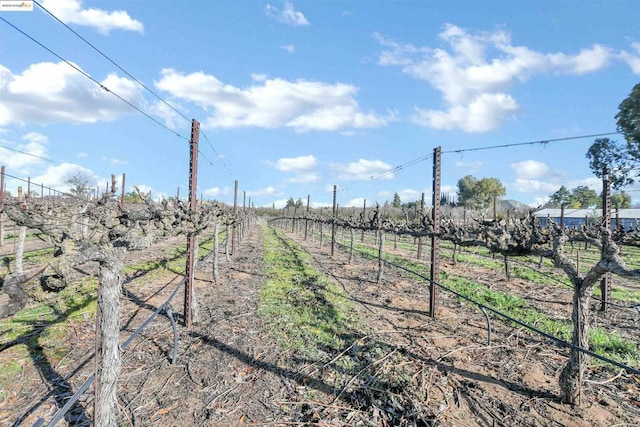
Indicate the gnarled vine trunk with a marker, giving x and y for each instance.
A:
(111, 267)
(573, 372)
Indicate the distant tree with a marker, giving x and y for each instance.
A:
(490, 189)
(467, 191)
(133, 197)
(623, 159)
(397, 203)
(411, 205)
(620, 200)
(79, 186)
(476, 193)
(583, 197)
(560, 197)
(290, 203)
(299, 203)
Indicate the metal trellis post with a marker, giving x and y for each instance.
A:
(193, 175)
(435, 238)
(333, 225)
(605, 283)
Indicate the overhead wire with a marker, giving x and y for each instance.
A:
(401, 167)
(517, 144)
(113, 62)
(491, 147)
(165, 102)
(15, 150)
(42, 186)
(78, 69)
(217, 154)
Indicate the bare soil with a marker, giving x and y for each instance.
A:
(401, 368)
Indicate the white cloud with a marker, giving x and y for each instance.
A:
(217, 191)
(534, 177)
(483, 114)
(268, 191)
(533, 186)
(278, 204)
(530, 169)
(358, 202)
(82, 155)
(474, 71)
(56, 176)
(409, 195)
(288, 15)
(114, 161)
(72, 12)
(172, 119)
(33, 143)
(474, 166)
(305, 178)
(444, 189)
(632, 58)
(289, 48)
(296, 164)
(259, 77)
(54, 92)
(302, 105)
(362, 170)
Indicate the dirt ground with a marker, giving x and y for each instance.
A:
(419, 371)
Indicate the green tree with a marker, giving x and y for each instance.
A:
(620, 200)
(299, 203)
(291, 203)
(397, 203)
(623, 159)
(583, 197)
(133, 197)
(79, 186)
(477, 194)
(467, 191)
(560, 197)
(488, 190)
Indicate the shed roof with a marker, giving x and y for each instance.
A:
(582, 213)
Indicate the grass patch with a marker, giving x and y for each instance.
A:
(303, 311)
(39, 331)
(608, 344)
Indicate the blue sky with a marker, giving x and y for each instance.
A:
(297, 96)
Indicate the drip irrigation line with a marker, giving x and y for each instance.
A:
(164, 307)
(560, 342)
(551, 277)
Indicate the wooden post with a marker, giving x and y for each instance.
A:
(122, 199)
